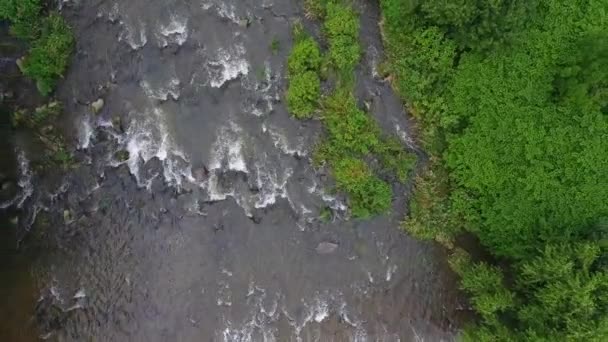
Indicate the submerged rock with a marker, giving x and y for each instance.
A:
(19, 63)
(67, 216)
(244, 23)
(326, 247)
(97, 106)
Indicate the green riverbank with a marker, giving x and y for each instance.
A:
(511, 102)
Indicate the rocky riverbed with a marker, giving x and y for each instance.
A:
(194, 212)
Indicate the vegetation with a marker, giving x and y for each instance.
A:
(303, 68)
(50, 38)
(50, 42)
(341, 27)
(40, 123)
(511, 98)
(354, 148)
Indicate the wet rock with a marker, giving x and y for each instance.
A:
(97, 106)
(19, 63)
(67, 216)
(244, 23)
(326, 247)
(200, 174)
(257, 219)
(117, 123)
(121, 155)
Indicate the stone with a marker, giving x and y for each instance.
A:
(244, 23)
(97, 106)
(326, 247)
(67, 216)
(19, 63)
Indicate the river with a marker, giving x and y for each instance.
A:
(212, 229)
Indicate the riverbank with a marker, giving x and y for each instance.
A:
(508, 106)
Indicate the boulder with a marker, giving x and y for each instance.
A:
(97, 106)
(326, 247)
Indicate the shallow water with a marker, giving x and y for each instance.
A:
(209, 231)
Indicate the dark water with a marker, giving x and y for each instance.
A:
(210, 231)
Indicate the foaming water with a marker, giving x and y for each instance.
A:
(210, 228)
(24, 183)
(227, 65)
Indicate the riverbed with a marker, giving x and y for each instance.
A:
(215, 226)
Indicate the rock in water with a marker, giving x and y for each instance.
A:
(326, 247)
(20, 64)
(97, 106)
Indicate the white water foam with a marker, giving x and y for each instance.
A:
(222, 9)
(85, 132)
(264, 91)
(228, 149)
(25, 182)
(162, 93)
(281, 142)
(134, 36)
(175, 32)
(272, 184)
(227, 65)
(148, 137)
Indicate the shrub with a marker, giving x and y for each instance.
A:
(49, 55)
(24, 16)
(511, 104)
(367, 194)
(303, 94)
(350, 130)
(341, 28)
(394, 158)
(305, 56)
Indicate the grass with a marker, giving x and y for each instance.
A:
(354, 148)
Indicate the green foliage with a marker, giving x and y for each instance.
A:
(512, 97)
(314, 9)
(49, 55)
(42, 115)
(367, 194)
(350, 130)
(394, 158)
(352, 135)
(51, 41)
(341, 27)
(303, 67)
(305, 56)
(23, 16)
(303, 94)
(477, 24)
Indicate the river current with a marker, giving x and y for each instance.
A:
(215, 227)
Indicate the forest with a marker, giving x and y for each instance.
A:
(511, 104)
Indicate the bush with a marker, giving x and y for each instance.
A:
(49, 55)
(367, 194)
(341, 28)
(303, 94)
(305, 56)
(512, 107)
(394, 158)
(350, 130)
(24, 16)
